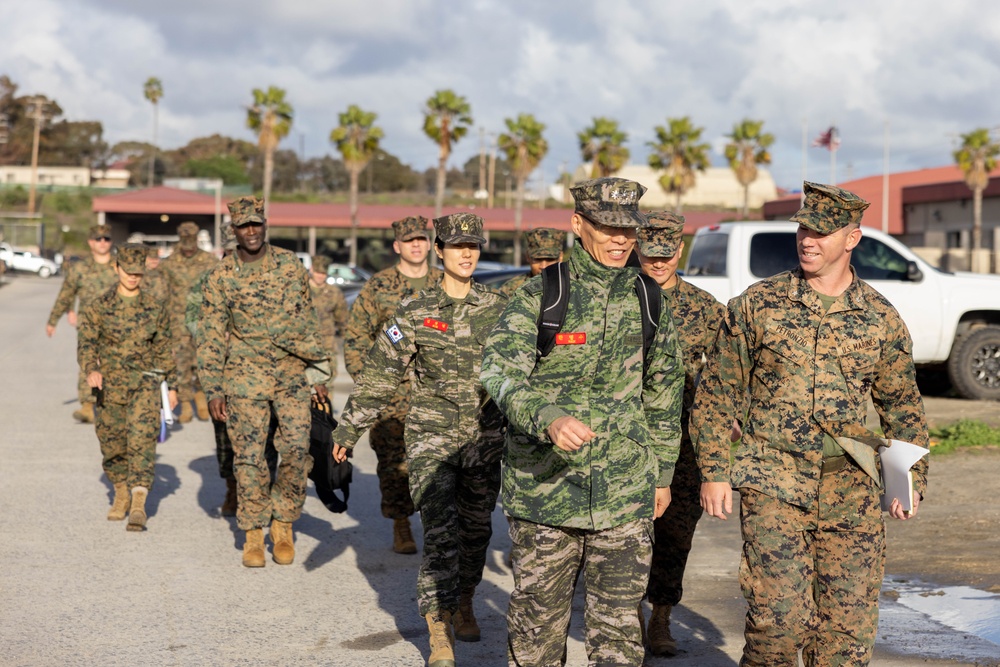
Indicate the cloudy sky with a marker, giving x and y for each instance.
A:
(931, 69)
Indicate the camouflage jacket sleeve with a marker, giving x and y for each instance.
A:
(663, 396)
(390, 356)
(67, 295)
(339, 311)
(88, 338)
(361, 329)
(719, 396)
(192, 306)
(163, 356)
(896, 397)
(214, 323)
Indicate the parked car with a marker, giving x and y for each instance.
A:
(496, 277)
(22, 260)
(343, 275)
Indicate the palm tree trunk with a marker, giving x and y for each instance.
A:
(746, 201)
(677, 205)
(439, 190)
(518, 206)
(977, 218)
(268, 176)
(152, 158)
(353, 199)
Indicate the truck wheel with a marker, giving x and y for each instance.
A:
(974, 365)
(44, 272)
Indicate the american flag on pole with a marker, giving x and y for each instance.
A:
(829, 140)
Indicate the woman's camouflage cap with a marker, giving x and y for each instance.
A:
(246, 210)
(828, 208)
(131, 258)
(459, 228)
(662, 236)
(411, 228)
(610, 201)
(544, 243)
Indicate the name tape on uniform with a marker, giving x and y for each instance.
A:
(394, 334)
(571, 338)
(435, 324)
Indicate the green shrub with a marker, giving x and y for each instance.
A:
(963, 433)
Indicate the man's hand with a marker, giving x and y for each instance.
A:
(49, 330)
(662, 501)
(717, 499)
(71, 318)
(172, 398)
(736, 433)
(217, 408)
(569, 433)
(95, 380)
(896, 510)
(321, 391)
(339, 453)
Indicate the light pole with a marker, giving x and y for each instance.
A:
(37, 110)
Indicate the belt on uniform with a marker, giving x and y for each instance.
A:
(833, 464)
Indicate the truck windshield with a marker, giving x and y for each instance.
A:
(708, 255)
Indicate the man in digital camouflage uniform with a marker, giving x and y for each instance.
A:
(181, 271)
(801, 353)
(697, 316)
(592, 440)
(376, 303)
(543, 246)
(84, 282)
(153, 280)
(123, 346)
(259, 353)
(331, 309)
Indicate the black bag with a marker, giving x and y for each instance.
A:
(327, 474)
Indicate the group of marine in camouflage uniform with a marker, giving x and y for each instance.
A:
(609, 458)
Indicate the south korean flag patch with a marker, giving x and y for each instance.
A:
(394, 334)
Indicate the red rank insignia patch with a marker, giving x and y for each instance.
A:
(571, 338)
(435, 324)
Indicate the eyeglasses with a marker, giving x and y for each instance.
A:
(103, 238)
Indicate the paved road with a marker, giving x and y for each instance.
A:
(78, 589)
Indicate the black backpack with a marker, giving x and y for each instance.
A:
(555, 301)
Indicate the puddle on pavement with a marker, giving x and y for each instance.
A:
(956, 622)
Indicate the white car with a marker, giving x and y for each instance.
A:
(22, 260)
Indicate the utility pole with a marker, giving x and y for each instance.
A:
(37, 112)
(482, 159)
(493, 170)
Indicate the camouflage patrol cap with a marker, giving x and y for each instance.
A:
(227, 237)
(610, 201)
(132, 258)
(152, 251)
(544, 243)
(187, 232)
(246, 210)
(662, 236)
(459, 228)
(97, 231)
(411, 228)
(320, 263)
(828, 208)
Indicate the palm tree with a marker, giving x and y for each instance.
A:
(524, 148)
(357, 139)
(153, 90)
(270, 117)
(748, 148)
(977, 157)
(677, 152)
(601, 145)
(446, 120)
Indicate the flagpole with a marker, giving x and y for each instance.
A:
(885, 179)
(805, 159)
(833, 156)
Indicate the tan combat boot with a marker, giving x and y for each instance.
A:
(137, 511)
(283, 541)
(201, 405)
(186, 413)
(402, 537)
(229, 504)
(120, 505)
(442, 641)
(464, 620)
(253, 548)
(660, 640)
(85, 414)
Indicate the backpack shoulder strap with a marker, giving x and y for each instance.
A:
(555, 302)
(650, 302)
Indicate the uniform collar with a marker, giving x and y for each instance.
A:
(800, 290)
(588, 268)
(266, 263)
(473, 297)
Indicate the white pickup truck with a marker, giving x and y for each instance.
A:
(953, 318)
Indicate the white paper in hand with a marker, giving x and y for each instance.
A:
(897, 480)
(166, 413)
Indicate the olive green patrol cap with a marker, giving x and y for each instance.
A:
(227, 237)
(459, 228)
(247, 210)
(663, 235)
(828, 208)
(544, 243)
(97, 231)
(132, 257)
(411, 228)
(610, 201)
(320, 263)
(187, 232)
